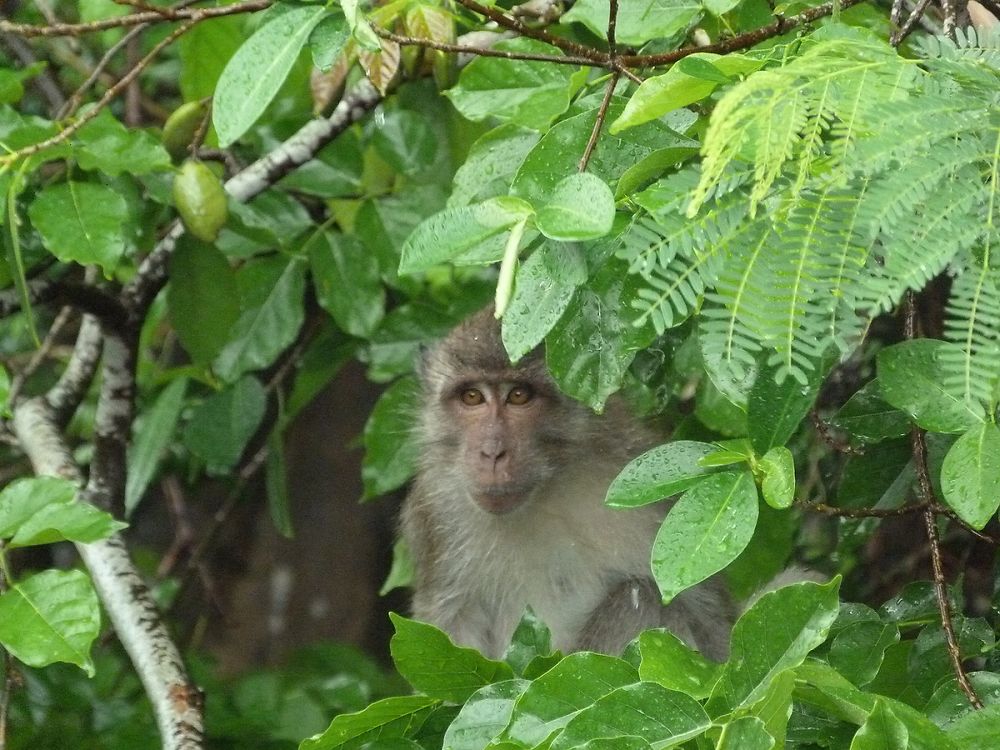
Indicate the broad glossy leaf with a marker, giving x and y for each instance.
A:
(676, 666)
(523, 92)
(327, 41)
(592, 345)
(930, 661)
(978, 728)
(405, 141)
(661, 717)
(384, 719)
(335, 172)
(81, 222)
(745, 733)
(531, 640)
(202, 298)
(659, 473)
(881, 731)
(545, 285)
(51, 616)
(42, 510)
(948, 704)
(106, 145)
(704, 531)
(204, 52)
(152, 437)
(867, 417)
(581, 207)
(775, 634)
(970, 475)
(774, 410)
(272, 291)
(390, 451)
(454, 231)
(491, 164)
(435, 666)
(557, 696)
(254, 74)
(767, 553)
(858, 650)
(910, 379)
(484, 715)
(639, 21)
(557, 154)
(678, 87)
(778, 485)
(222, 426)
(348, 282)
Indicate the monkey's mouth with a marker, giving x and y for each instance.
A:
(500, 499)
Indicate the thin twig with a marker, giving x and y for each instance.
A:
(832, 510)
(612, 25)
(602, 114)
(41, 353)
(411, 41)
(501, 19)
(827, 436)
(896, 38)
(76, 98)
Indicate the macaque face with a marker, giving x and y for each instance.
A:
(498, 426)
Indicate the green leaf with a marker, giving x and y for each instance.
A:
(406, 141)
(661, 717)
(222, 426)
(774, 410)
(360, 28)
(858, 650)
(272, 291)
(484, 715)
(327, 41)
(639, 21)
(705, 531)
(531, 640)
(42, 510)
(491, 164)
(384, 719)
(401, 572)
(435, 666)
(81, 222)
(910, 379)
(106, 145)
(202, 297)
(572, 685)
(659, 473)
(150, 442)
(977, 728)
(581, 207)
(348, 282)
(673, 664)
(970, 475)
(881, 731)
(544, 288)
(454, 231)
(745, 733)
(51, 616)
(679, 87)
(276, 485)
(775, 634)
(867, 417)
(390, 451)
(254, 74)
(204, 52)
(778, 485)
(523, 92)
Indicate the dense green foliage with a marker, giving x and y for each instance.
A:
(747, 244)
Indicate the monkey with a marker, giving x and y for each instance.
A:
(507, 510)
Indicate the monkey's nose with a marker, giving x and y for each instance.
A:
(493, 451)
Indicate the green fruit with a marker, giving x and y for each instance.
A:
(180, 128)
(200, 200)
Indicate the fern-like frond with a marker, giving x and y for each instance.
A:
(978, 50)
(972, 369)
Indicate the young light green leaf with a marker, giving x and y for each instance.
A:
(745, 733)
(359, 26)
(434, 665)
(910, 379)
(557, 696)
(705, 531)
(384, 719)
(778, 485)
(81, 222)
(659, 473)
(775, 634)
(42, 510)
(581, 207)
(881, 731)
(671, 663)
(222, 426)
(202, 298)
(152, 437)
(455, 231)
(484, 715)
(254, 74)
(970, 475)
(401, 571)
(51, 616)
(545, 285)
(661, 717)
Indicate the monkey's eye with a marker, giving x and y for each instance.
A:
(520, 395)
(472, 397)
